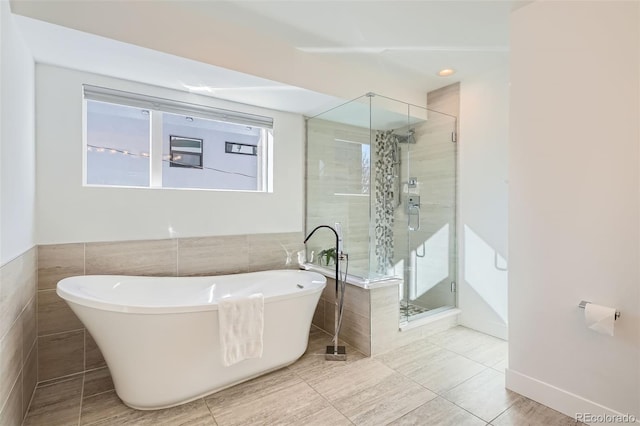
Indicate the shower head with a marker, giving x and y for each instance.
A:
(409, 137)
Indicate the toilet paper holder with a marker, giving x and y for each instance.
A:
(583, 304)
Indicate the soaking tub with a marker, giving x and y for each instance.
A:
(160, 337)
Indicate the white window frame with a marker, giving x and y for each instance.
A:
(156, 107)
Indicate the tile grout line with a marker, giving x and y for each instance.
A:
(503, 411)
(462, 355)
(206, 404)
(473, 414)
(62, 332)
(81, 398)
(441, 395)
(4, 404)
(56, 380)
(323, 397)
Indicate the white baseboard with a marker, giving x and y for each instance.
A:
(563, 401)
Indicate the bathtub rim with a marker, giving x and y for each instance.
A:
(318, 282)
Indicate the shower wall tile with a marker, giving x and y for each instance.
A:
(329, 291)
(92, 356)
(29, 327)
(11, 360)
(17, 333)
(213, 255)
(29, 378)
(153, 257)
(58, 261)
(445, 99)
(17, 288)
(355, 329)
(96, 382)
(12, 412)
(60, 355)
(385, 311)
(318, 315)
(54, 314)
(274, 251)
(356, 299)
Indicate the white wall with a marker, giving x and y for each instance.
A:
(17, 146)
(69, 212)
(482, 174)
(574, 204)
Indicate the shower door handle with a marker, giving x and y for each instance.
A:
(414, 218)
(413, 212)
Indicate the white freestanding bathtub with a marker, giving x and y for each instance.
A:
(160, 337)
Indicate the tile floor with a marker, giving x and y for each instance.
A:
(452, 378)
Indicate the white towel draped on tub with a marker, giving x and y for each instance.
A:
(241, 323)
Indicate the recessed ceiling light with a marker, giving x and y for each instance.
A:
(446, 72)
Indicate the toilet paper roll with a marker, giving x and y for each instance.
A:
(600, 318)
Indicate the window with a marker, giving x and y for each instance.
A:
(185, 152)
(140, 141)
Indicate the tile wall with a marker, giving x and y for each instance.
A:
(371, 320)
(356, 319)
(66, 348)
(18, 343)
(338, 188)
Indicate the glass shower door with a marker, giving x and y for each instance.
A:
(429, 207)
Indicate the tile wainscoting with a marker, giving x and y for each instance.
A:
(18, 343)
(66, 348)
(370, 320)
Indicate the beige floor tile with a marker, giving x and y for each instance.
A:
(102, 406)
(56, 404)
(484, 395)
(324, 417)
(530, 413)
(383, 402)
(491, 351)
(244, 393)
(410, 357)
(444, 370)
(107, 409)
(502, 365)
(339, 380)
(439, 412)
(480, 347)
(288, 405)
(313, 361)
(97, 381)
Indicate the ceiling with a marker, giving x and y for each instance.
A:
(412, 39)
(402, 41)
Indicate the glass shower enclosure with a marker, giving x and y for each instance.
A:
(385, 171)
